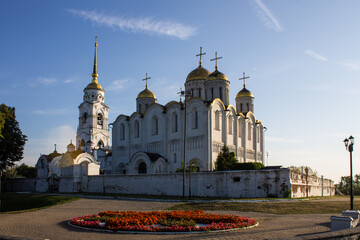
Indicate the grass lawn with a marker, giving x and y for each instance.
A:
(296, 207)
(13, 202)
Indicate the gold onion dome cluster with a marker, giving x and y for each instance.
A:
(198, 73)
(146, 94)
(244, 93)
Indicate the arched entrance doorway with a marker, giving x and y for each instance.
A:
(142, 168)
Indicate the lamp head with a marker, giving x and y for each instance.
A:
(346, 142)
(352, 139)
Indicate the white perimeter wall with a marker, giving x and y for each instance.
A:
(234, 184)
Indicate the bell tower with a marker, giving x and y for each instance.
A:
(93, 130)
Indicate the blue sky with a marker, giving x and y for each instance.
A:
(303, 59)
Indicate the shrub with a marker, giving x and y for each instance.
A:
(248, 166)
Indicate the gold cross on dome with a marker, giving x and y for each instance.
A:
(199, 55)
(216, 58)
(146, 79)
(181, 93)
(243, 78)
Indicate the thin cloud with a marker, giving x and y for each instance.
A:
(61, 111)
(354, 65)
(266, 15)
(315, 55)
(43, 81)
(283, 140)
(117, 85)
(148, 25)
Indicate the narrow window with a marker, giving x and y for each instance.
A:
(240, 130)
(154, 126)
(199, 92)
(248, 106)
(139, 107)
(217, 120)
(230, 124)
(85, 117)
(241, 107)
(212, 93)
(100, 119)
(249, 131)
(220, 93)
(195, 119)
(122, 131)
(174, 123)
(136, 129)
(174, 157)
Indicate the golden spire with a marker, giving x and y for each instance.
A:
(243, 78)
(95, 75)
(199, 55)
(146, 79)
(216, 58)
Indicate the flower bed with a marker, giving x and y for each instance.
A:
(162, 221)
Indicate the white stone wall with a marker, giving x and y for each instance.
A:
(316, 186)
(235, 184)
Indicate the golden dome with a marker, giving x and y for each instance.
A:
(94, 85)
(198, 73)
(216, 75)
(146, 94)
(244, 93)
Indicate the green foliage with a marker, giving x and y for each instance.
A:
(178, 222)
(193, 165)
(12, 141)
(225, 160)
(26, 171)
(248, 166)
(344, 185)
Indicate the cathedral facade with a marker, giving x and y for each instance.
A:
(158, 138)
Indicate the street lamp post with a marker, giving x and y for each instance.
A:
(102, 172)
(349, 145)
(307, 174)
(183, 94)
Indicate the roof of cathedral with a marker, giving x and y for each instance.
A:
(154, 156)
(217, 75)
(198, 73)
(146, 94)
(94, 85)
(244, 93)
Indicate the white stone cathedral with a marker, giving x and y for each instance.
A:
(153, 138)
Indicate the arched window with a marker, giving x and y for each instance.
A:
(199, 92)
(212, 93)
(217, 120)
(241, 107)
(154, 126)
(100, 144)
(221, 93)
(100, 119)
(174, 122)
(139, 108)
(174, 157)
(230, 125)
(85, 115)
(248, 108)
(195, 119)
(136, 129)
(258, 134)
(142, 168)
(240, 128)
(249, 132)
(122, 131)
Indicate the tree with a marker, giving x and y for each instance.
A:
(26, 171)
(344, 184)
(225, 160)
(12, 141)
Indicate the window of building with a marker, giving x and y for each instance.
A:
(217, 120)
(221, 93)
(195, 119)
(136, 129)
(100, 119)
(241, 107)
(174, 157)
(154, 126)
(85, 115)
(230, 125)
(139, 107)
(174, 122)
(248, 108)
(199, 92)
(122, 131)
(249, 132)
(240, 128)
(100, 144)
(212, 93)
(142, 168)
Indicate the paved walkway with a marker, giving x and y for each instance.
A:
(51, 223)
